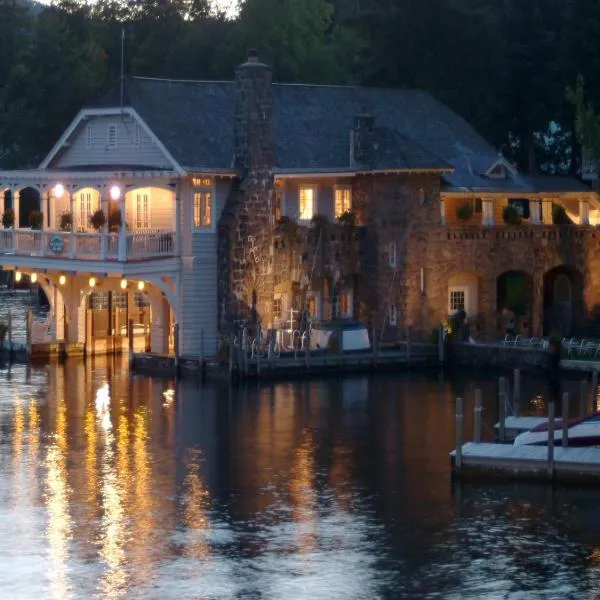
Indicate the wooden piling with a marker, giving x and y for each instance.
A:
(408, 344)
(516, 392)
(176, 346)
(10, 345)
(478, 416)
(307, 350)
(230, 360)
(565, 420)
(130, 337)
(550, 465)
(441, 345)
(459, 434)
(501, 409)
(583, 398)
(594, 389)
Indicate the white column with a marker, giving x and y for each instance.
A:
(487, 211)
(442, 212)
(584, 212)
(74, 225)
(2, 207)
(534, 212)
(547, 212)
(122, 230)
(177, 214)
(16, 207)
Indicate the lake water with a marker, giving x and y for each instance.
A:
(114, 486)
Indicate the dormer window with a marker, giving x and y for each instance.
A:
(112, 136)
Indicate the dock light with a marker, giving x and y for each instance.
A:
(115, 192)
(18, 275)
(33, 277)
(141, 285)
(59, 190)
(92, 282)
(62, 280)
(123, 284)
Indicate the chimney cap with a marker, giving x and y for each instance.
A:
(252, 60)
(252, 55)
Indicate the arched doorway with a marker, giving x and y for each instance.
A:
(514, 291)
(29, 202)
(563, 300)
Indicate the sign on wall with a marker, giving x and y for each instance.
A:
(56, 244)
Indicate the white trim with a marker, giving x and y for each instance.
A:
(458, 288)
(502, 162)
(97, 112)
(112, 136)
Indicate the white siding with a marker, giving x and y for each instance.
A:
(80, 153)
(199, 277)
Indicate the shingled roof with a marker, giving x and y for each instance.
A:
(311, 124)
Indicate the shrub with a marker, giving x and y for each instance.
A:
(290, 229)
(98, 220)
(8, 218)
(36, 219)
(347, 218)
(464, 212)
(511, 215)
(559, 215)
(66, 221)
(320, 222)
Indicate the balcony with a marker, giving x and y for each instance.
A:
(122, 247)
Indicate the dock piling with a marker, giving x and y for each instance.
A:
(459, 433)
(565, 419)
(10, 346)
(583, 398)
(501, 409)
(594, 390)
(478, 411)
(441, 344)
(550, 466)
(408, 343)
(516, 391)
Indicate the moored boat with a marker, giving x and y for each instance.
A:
(580, 432)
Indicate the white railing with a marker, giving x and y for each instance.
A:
(133, 245)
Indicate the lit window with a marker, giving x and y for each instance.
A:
(99, 300)
(202, 182)
(277, 308)
(456, 300)
(112, 136)
(140, 300)
(142, 213)
(392, 254)
(88, 141)
(203, 203)
(307, 203)
(477, 206)
(393, 316)
(137, 135)
(87, 207)
(342, 306)
(311, 306)
(343, 201)
(277, 206)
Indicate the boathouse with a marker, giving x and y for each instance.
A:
(186, 208)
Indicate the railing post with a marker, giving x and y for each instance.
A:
(122, 244)
(103, 245)
(72, 244)
(42, 243)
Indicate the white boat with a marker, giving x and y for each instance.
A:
(580, 432)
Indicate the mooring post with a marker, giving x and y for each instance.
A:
(307, 349)
(565, 419)
(501, 409)
(583, 398)
(10, 346)
(516, 391)
(459, 434)
(230, 360)
(441, 344)
(550, 467)
(408, 344)
(29, 323)
(176, 346)
(478, 416)
(373, 341)
(594, 390)
(130, 338)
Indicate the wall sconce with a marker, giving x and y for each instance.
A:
(115, 192)
(141, 285)
(59, 190)
(18, 276)
(123, 284)
(33, 277)
(92, 282)
(62, 280)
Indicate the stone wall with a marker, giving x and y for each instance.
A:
(497, 356)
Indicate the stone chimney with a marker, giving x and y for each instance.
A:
(253, 111)
(364, 127)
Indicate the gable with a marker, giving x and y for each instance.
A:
(110, 141)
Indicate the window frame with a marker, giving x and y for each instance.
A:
(146, 212)
(313, 188)
(342, 187)
(200, 186)
(109, 144)
(458, 289)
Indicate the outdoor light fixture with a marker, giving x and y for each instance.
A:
(92, 282)
(115, 192)
(141, 285)
(62, 280)
(123, 284)
(18, 275)
(33, 277)
(59, 190)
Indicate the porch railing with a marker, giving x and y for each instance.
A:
(133, 245)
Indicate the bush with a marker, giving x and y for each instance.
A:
(511, 215)
(66, 221)
(320, 222)
(290, 229)
(98, 220)
(347, 218)
(36, 219)
(559, 215)
(8, 218)
(464, 212)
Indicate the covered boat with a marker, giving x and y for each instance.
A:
(326, 335)
(580, 432)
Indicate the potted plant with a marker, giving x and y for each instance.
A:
(511, 215)
(464, 212)
(8, 218)
(559, 215)
(66, 221)
(36, 219)
(98, 220)
(347, 218)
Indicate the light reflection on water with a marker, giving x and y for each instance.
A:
(114, 486)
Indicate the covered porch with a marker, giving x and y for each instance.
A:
(103, 216)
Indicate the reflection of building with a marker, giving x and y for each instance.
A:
(225, 201)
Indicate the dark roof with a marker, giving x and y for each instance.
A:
(311, 124)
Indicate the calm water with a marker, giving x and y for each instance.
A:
(114, 486)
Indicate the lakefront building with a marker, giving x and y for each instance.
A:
(198, 206)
